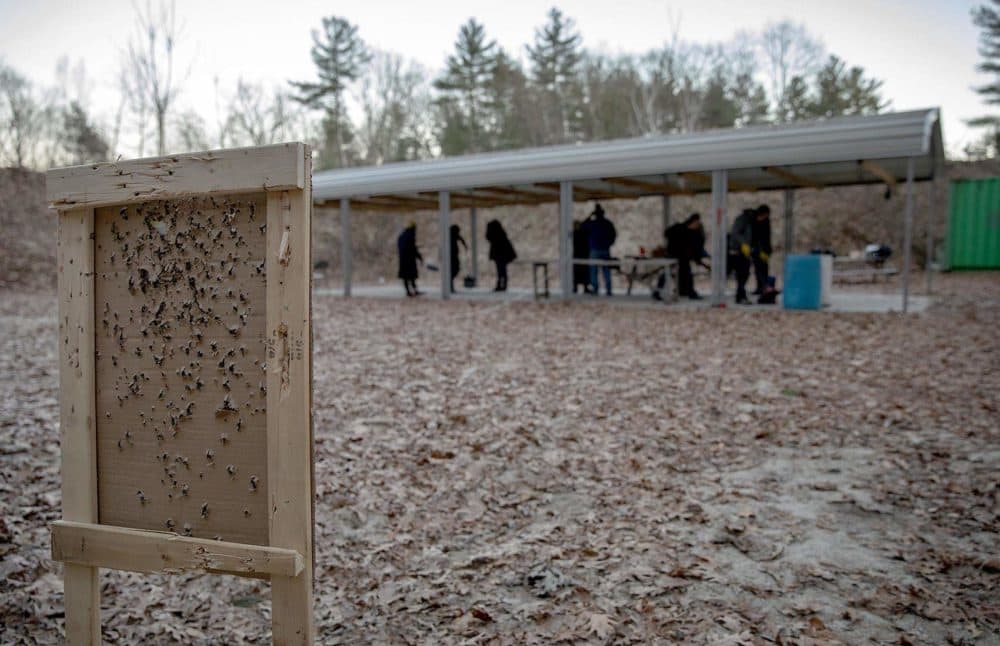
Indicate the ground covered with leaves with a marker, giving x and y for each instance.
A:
(542, 473)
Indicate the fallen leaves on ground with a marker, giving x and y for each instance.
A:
(530, 473)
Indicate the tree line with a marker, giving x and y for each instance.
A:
(486, 99)
(367, 106)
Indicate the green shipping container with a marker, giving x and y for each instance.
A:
(974, 224)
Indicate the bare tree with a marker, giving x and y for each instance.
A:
(256, 118)
(148, 72)
(394, 98)
(22, 117)
(134, 98)
(789, 52)
(654, 93)
(190, 129)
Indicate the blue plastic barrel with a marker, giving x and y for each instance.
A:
(803, 282)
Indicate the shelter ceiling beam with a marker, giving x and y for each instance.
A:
(369, 205)
(706, 181)
(468, 200)
(653, 187)
(508, 191)
(878, 171)
(793, 177)
(581, 194)
(423, 202)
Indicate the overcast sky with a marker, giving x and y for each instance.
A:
(925, 50)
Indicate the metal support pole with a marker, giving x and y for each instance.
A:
(566, 238)
(789, 221)
(346, 259)
(720, 182)
(907, 234)
(474, 244)
(929, 256)
(444, 223)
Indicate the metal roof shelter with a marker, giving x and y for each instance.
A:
(888, 148)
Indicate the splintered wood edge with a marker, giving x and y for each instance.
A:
(262, 168)
(136, 550)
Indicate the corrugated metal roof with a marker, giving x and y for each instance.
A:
(826, 152)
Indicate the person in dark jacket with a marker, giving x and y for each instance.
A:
(581, 250)
(686, 243)
(740, 239)
(760, 247)
(501, 252)
(601, 235)
(409, 254)
(455, 236)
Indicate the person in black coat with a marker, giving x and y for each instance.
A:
(501, 252)
(760, 247)
(601, 235)
(581, 250)
(686, 243)
(455, 236)
(409, 254)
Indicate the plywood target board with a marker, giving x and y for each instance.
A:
(181, 366)
(185, 374)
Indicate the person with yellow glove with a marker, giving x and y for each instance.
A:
(760, 243)
(740, 251)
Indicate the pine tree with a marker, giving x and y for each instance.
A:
(555, 57)
(340, 56)
(845, 91)
(751, 102)
(796, 102)
(82, 141)
(718, 108)
(987, 18)
(612, 92)
(511, 103)
(465, 103)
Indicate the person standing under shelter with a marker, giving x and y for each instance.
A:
(740, 239)
(686, 243)
(760, 247)
(501, 252)
(601, 235)
(455, 237)
(409, 254)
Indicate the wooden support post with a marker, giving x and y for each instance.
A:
(719, 230)
(289, 405)
(346, 251)
(793, 178)
(474, 245)
(878, 171)
(444, 224)
(137, 550)
(566, 238)
(237, 170)
(77, 412)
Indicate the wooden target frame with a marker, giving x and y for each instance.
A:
(184, 326)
